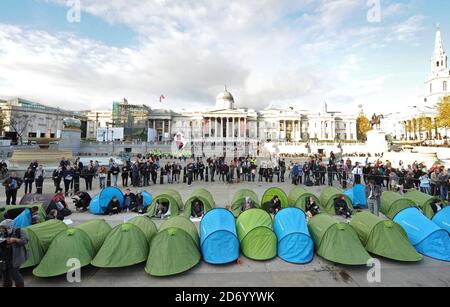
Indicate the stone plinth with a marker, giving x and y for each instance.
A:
(376, 142)
(70, 140)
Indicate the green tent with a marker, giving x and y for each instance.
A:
(170, 197)
(392, 203)
(384, 238)
(327, 198)
(175, 249)
(40, 236)
(14, 211)
(337, 242)
(125, 245)
(255, 233)
(299, 197)
(239, 199)
(146, 225)
(270, 194)
(423, 201)
(81, 242)
(204, 196)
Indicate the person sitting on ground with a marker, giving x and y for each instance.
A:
(140, 205)
(113, 206)
(275, 205)
(162, 210)
(129, 201)
(197, 209)
(312, 209)
(35, 217)
(341, 208)
(248, 204)
(82, 201)
(58, 203)
(52, 215)
(437, 206)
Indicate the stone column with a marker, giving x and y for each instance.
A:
(233, 128)
(170, 128)
(239, 128)
(216, 135)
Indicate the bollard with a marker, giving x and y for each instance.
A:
(161, 177)
(108, 179)
(206, 174)
(184, 175)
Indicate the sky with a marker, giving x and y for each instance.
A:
(283, 53)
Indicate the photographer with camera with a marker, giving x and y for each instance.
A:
(12, 253)
(12, 184)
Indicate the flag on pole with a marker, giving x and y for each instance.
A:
(161, 98)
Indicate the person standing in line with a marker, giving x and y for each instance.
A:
(39, 176)
(12, 184)
(28, 179)
(425, 184)
(443, 183)
(125, 174)
(68, 174)
(357, 173)
(57, 177)
(115, 170)
(435, 182)
(373, 196)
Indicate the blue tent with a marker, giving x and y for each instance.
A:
(442, 219)
(218, 238)
(295, 244)
(358, 196)
(100, 202)
(428, 238)
(148, 199)
(23, 220)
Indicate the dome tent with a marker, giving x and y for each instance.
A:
(270, 194)
(442, 219)
(176, 195)
(392, 203)
(37, 199)
(239, 199)
(23, 220)
(146, 225)
(294, 241)
(40, 236)
(384, 238)
(218, 238)
(428, 238)
(167, 196)
(11, 212)
(337, 242)
(127, 244)
(255, 233)
(100, 202)
(357, 195)
(204, 196)
(81, 242)
(174, 249)
(327, 198)
(298, 198)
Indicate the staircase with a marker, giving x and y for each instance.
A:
(40, 155)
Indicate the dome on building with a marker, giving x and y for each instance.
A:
(225, 100)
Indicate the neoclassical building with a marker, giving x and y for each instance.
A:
(227, 130)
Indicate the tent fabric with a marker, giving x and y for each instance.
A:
(337, 242)
(13, 211)
(218, 237)
(23, 220)
(148, 198)
(40, 236)
(270, 194)
(295, 244)
(357, 195)
(204, 196)
(146, 225)
(97, 231)
(174, 205)
(255, 233)
(125, 245)
(442, 219)
(239, 199)
(69, 244)
(99, 203)
(384, 238)
(298, 197)
(175, 249)
(428, 238)
(423, 201)
(392, 203)
(43, 199)
(176, 195)
(327, 198)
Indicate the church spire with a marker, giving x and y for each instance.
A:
(439, 60)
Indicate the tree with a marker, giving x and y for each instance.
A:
(362, 127)
(19, 124)
(443, 110)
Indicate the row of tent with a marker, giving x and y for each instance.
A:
(177, 247)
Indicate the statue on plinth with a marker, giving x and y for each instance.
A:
(71, 123)
(376, 121)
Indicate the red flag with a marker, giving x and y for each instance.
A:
(161, 98)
